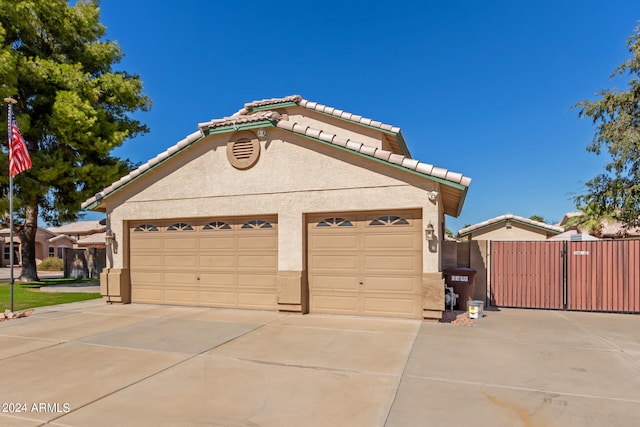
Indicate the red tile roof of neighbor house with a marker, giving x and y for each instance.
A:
(248, 115)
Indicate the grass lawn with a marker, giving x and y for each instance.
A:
(28, 295)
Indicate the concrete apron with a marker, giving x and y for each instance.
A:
(95, 364)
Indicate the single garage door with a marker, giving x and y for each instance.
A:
(366, 263)
(220, 262)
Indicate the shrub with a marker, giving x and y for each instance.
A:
(51, 264)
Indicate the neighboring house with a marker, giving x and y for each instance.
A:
(286, 205)
(510, 227)
(47, 244)
(608, 229)
(84, 233)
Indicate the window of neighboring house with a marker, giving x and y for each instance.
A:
(7, 252)
(52, 251)
(60, 253)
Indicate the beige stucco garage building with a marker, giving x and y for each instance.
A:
(285, 205)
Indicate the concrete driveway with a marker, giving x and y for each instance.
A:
(92, 364)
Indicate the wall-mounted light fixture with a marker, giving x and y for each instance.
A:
(432, 195)
(429, 232)
(262, 133)
(110, 240)
(508, 224)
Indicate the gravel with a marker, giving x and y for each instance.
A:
(458, 318)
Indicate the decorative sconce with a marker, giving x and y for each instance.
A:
(432, 195)
(110, 239)
(262, 133)
(429, 232)
(508, 224)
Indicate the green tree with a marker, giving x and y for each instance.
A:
(73, 109)
(616, 192)
(536, 218)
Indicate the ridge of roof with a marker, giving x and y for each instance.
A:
(239, 119)
(384, 155)
(297, 99)
(464, 231)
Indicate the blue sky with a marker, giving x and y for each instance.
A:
(484, 88)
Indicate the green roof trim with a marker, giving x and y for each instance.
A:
(239, 126)
(269, 107)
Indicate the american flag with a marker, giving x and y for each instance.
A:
(19, 160)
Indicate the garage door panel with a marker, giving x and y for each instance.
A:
(212, 242)
(392, 263)
(337, 283)
(258, 242)
(335, 262)
(391, 305)
(219, 298)
(392, 284)
(335, 242)
(386, 241)
(335, 304)
(181, 296)
(257, 261)
(216, 261)
(172, 244)
(176, 261)
(264, 281)
(148, 295)
(146, 245)
(257, 300)
(146, 260)
(180, 278)
(219, 279)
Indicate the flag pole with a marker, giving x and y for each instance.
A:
(10, 102)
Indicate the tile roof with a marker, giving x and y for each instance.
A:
(78, 227)
(384, 155)
(468, 230)
(246, 116)
(297, 99)
(238, 120)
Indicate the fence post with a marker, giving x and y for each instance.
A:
(565, 273)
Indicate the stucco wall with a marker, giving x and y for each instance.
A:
(293, 176)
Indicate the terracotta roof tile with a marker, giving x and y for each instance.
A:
(368, 150)
(355, 146)
(410, 163)
(327, 136)
(383, 154)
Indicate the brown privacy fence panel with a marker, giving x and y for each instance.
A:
(604, 276)
(591, 276)
(526, 274)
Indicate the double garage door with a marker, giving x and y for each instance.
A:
(357, 263)
(223, 262)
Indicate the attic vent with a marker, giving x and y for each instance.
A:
(243, 150)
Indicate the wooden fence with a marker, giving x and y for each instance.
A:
(592, 276)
